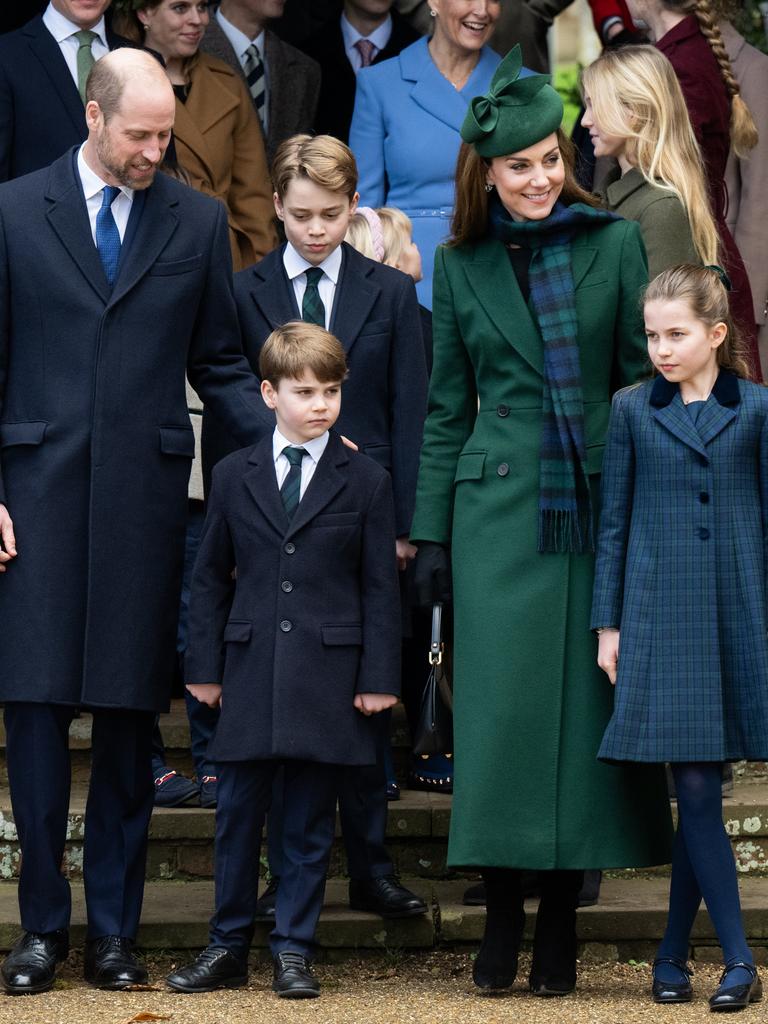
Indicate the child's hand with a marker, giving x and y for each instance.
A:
(350, 444)
(373, 703)
(608, 653)
(405, 552)
(8, 548)
(206, 693)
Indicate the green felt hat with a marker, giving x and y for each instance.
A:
(515, 112)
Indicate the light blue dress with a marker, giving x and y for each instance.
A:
(405, 137)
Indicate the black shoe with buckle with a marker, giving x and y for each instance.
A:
(213, 968)
(386, 897)
(110, 963)
(30, 967)
(293, 978)
(672, 991)
(737, 997)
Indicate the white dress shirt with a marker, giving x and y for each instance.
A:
(93, 188)
(240, 42)
(379, 37)
(63, 31)
(296, 267)
(314, 449)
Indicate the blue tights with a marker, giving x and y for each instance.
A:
(702, 866)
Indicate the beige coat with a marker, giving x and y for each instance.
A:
(219, 144)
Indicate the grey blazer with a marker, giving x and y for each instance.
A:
(294, 83)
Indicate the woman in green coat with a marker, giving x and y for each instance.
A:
(536, 323)
(635, 112)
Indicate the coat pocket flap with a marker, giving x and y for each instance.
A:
(177, 441)
(339, 636)
(237, 632)
(595, 458)
(470, 466)
(336, 519)
(30, 432)
(164, 267)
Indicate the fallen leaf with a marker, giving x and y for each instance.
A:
(141, 1017)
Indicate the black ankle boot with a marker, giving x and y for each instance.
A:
(553, 968)
(496, 964)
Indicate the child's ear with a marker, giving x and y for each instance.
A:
(278, 205)
(718, 334)
(353, 203)
(269, 394)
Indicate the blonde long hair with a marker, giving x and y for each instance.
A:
(636, 96)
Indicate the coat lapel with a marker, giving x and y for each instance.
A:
(325, 484)
(430, 90)
(157, 223)
(261, 483)
(354, 297)
(189, 134)
(272, 292)
(715, 416)
(668, 409)
(46, 50)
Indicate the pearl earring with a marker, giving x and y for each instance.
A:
(432, 14)
(488, 187)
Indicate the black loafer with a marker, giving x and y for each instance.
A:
(265, 904)
(737, 997)
(672, 991)
(30, 967)
(214, 968)
(110, 963)
(385, 897)
(293, 978)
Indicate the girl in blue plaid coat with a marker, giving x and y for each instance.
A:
(680, 598)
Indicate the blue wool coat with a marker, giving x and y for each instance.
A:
(681, 569)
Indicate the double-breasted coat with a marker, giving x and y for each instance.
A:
(530, 704)
(681, 569)
(95, 438)
(313, 617)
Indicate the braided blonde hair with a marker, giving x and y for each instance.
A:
(743, 129)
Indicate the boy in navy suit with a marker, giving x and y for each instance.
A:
(372, 309)
(299, 650)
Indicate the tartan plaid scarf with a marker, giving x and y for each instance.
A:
(565, 509)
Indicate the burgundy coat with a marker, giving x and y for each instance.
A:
(709, 107)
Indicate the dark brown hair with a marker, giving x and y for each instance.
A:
(298, 346)
(470, 215)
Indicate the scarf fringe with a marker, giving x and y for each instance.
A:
(565, 530)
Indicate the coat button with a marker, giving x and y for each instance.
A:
(704, 498)
(286, 625)
(286, 586)
(703, 533)
(502, 410)
(289, 548)
(503, 469)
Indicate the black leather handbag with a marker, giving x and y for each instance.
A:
(434, 728)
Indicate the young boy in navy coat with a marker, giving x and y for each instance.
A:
(298, 650)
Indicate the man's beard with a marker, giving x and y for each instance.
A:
(124, 173)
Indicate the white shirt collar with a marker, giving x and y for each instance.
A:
(62, 28)
(239, 40)
(379, 37)
(91, 182)
(295, 264)
(315, 447)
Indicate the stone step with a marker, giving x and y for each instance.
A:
(626, 924)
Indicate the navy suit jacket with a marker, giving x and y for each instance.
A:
(376, 318)
(313, 617)
(41, 112)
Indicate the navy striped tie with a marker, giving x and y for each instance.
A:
(312, 308)
(253, 69)
(291, 489)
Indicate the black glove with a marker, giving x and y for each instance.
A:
(432, 574)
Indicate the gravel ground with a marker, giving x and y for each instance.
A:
(429, 989)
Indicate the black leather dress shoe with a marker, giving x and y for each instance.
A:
(109, 963)
(31, 965)
(293, 977)
(214, 968)
(736, 997)
(265, 904)
(385, 897)
(672, 991)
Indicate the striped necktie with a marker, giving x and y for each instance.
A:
(107, 235)
(85, 59)
(253, 69)
(366, 49)
(291, 489)
(312, 308)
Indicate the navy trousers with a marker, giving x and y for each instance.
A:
(244, 794)
(119, 806)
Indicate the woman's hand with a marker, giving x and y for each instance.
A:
(206, 693)
(608, 653)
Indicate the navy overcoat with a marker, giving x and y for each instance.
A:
(95, 439)
(314, 616)
(681, 569)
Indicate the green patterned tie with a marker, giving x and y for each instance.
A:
(85, 59)
(312, 308)
(291, 488)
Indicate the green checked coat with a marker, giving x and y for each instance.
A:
(530, 702)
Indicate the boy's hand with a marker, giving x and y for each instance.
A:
(373, 703)
(608, 653)
(405, 552)
(350, 444)
(8, 549)
(206, 693)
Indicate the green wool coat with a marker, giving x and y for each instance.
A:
(663, 221)
(530, 702)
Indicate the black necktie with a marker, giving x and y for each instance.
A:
(291, 489)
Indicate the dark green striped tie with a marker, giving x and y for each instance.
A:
(291, 488)
(312, 308)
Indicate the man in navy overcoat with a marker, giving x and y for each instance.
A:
(102, 310)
